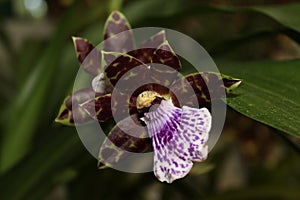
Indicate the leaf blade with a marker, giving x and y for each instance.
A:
(287, 15)
(269, 94)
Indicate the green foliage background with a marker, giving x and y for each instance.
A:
(257, 156)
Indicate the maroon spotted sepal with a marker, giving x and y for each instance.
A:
(99, 107)
(192, 90)
(155, 40)
(164, 54)
(115, 24)
(88, 56)
(119, 143)
(70, 111)
(165, 65)
(162, 69)
(145, 52)
(117, 66)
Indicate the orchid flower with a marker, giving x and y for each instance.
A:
(179, 137)
(173, 111)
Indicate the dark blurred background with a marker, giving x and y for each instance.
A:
(44, 160)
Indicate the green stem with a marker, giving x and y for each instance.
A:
(115, 5)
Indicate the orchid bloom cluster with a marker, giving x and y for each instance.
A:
(168, 107)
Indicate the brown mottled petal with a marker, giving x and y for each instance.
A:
(117, 23)
(70, 110)
(230, 83)
(119, 142)
(145, 52)
(109, 57)
(118, 66)
(99, 107)
(166, 56)
(194, 101)
(154, 41)
(88, 56)
(165, 65)
(184, 91)
(123, 104)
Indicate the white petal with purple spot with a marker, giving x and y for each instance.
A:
(179, 137)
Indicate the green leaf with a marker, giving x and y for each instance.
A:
(28, 106)
(38, 172)
(288, 15)
(135, 12)
(285, 14)
(269, 93)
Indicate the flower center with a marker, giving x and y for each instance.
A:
(145, 99)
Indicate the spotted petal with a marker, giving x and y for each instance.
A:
(98, 108)
(145, 52)
(123, 104)
(165, 65)
(126, 66)
(179, 137)
(116, 146)
(70, 108)
(192, 90)
(164, 54)
(154, 41)
(117, 23)
(88, 56)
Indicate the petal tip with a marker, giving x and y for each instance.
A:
(76, 38)
(101, 165)
(230, 83)
(163, 33)
(64, 121)
(233, 84)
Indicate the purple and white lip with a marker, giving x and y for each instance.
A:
(179, 137)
